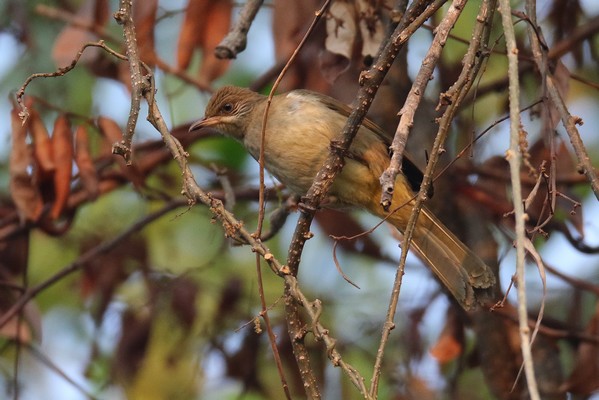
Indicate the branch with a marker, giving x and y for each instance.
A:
(60, 72)
(408, 110)
(236, 40)
(369, 81)
(569, 121)
(445, 26)
(514, 158)
(294, 323)
(85, 258)
(123, 17)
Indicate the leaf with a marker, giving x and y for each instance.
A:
(191, 33)
(205, 24)
(24, 328)
(290, 19)
(341, 29)
(42, 145)
(62, 146)
(450, 343)
(85, 164)
(565, 16)
(371, 27)
(339, 43)
(24, 193)
(144, 18)
(113, 134)
(72, 38)
(217, 23)
(110, 130)
(333, 65)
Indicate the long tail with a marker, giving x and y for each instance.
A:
(459, 269)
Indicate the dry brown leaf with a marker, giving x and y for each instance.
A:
(341, 29)
(216, 25)
(110, 130)
(339, 43)
(113, 134)
(42, 145)
(85, 164)
(565, 17)
(144, 18)
(72, 38)
(371, 27)
(450, 344)
(291, 19)
(26, 328)
(205, 24)
(62, 146)
(24, 193)
(191, 33)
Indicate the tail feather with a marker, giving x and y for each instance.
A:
(460, 270)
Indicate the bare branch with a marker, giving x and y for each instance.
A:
(236, 40)
(514, 158)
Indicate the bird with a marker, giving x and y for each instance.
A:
(300, 127)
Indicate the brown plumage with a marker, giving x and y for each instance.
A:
(300, 127)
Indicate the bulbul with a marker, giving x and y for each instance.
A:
(299, 130)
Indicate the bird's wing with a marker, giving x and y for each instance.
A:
(410, 170)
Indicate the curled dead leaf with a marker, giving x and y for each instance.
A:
(23, 191)
(144, 18)
(205, 24)
(191, 33)
(113, 134)
(450, 343)
(42, 145)
(110, 130)
(217, 23)
(341, 29)
(85, 164)
(72, 38)
(371, 27)
(62, 147)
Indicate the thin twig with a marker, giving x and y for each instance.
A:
(271, 335)
(60, 72)
(124, 17)
(44, 359)
(514, 158)
(76, 21)
(294, 323)
(83, 260)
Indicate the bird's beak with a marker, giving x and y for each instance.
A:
(204, 123)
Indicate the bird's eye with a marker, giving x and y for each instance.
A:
(227, 107)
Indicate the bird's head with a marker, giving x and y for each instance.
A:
(229, 111)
